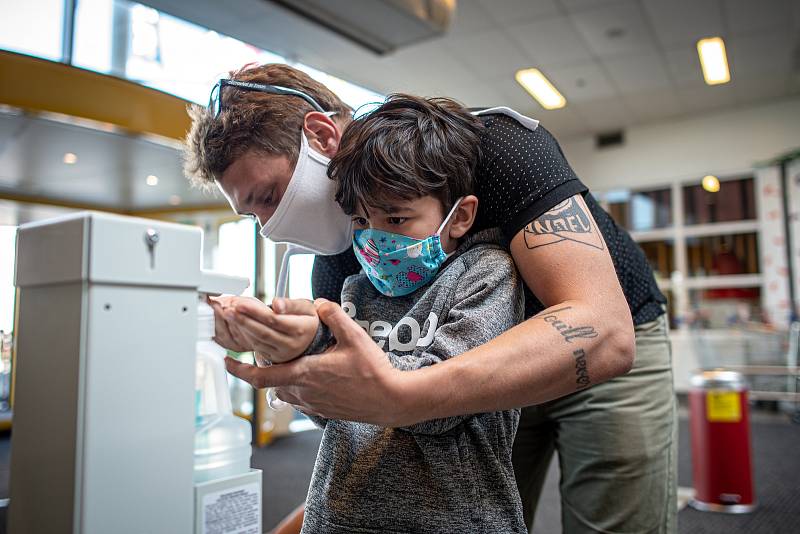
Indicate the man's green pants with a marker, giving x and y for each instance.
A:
(616, 446)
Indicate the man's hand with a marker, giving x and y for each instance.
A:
(353, 380)
(276, 337)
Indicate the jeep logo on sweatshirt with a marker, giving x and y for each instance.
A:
(406, 335)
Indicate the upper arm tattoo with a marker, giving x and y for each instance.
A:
(568, 221)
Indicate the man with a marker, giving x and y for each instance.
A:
(593, 310)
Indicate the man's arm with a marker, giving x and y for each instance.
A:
(584, 337)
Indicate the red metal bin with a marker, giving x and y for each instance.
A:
(721, 453)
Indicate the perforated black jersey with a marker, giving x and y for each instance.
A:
(521, 175)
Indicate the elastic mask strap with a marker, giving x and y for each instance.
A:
(281, 287)
(452, 211)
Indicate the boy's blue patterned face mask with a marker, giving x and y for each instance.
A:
(397, 264)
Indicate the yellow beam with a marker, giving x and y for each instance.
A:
(41, 85)
(157, 212)
(58, 202)
(163, 211)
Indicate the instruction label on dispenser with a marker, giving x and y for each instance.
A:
(723, 407)
(234, 510)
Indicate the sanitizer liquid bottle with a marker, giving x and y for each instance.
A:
(222, 440)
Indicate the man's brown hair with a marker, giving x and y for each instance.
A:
(253, 120)
(407, 148)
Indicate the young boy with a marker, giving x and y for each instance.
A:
(429, 290)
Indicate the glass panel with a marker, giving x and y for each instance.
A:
(723, 254)
(351, 94)
(269, 274)
(33, 27)
(661, 255)
(735, 201)
(8, 235)
(674, 321)
(724, 307)
(235, 253)
(641, 210)
(139, 43)
(93, 35)
(300, 267)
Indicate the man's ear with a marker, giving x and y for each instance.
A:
(464, 216)
(323, 134)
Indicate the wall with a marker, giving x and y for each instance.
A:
(723, 143)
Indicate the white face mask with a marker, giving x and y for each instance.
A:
(307, 214)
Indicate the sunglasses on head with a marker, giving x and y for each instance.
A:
(215, 100)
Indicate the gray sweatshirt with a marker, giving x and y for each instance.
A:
(451, 475)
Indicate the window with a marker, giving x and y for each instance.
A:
(703, 248)
(235, 252)
(735, 201)
(33, 27)
(8, 236)
(141, 44)
(723, 254)
(640, 210)
(661, 255)
(300, 267)
(724, 307)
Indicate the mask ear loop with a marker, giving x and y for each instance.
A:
(282, 290)
(446, 219)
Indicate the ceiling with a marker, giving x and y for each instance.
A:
(649, 72)
(617, 62)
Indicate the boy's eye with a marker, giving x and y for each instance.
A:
(360, 221)
(397, 220)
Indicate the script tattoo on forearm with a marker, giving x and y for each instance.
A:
(581, 372)
(567, 221)
(570, 332)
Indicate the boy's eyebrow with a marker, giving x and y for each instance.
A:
(390, 209)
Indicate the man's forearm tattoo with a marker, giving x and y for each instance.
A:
(567, 221)
(569, 333)
(581, 372)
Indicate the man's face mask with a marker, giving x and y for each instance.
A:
(307, 214)
(396, 264)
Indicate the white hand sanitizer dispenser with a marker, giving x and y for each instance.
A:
(110, 432)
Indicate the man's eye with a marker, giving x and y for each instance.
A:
(269, 197)
(397, 220)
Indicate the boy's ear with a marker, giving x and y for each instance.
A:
(322, 132)
(464, 216)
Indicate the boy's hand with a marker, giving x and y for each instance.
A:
(277, 334)
(228, 335)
